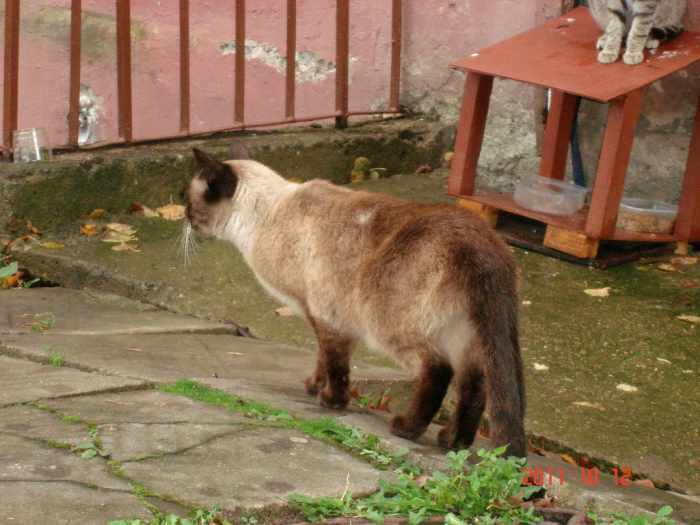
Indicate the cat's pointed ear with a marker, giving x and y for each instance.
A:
(208, 164)
(220, 177)
(238, 151)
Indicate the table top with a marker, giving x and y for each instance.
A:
(561, 54)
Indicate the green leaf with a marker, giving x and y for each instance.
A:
(84, 446)
(664, 511)
(9, 270)
(89, 454)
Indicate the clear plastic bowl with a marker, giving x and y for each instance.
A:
(30, 145)
(549, 195)
(646, 215)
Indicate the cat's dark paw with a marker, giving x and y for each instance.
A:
(451, 439)
(403, 427)
(333, 400)
(312, 385)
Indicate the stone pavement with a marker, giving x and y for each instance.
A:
(88, 436)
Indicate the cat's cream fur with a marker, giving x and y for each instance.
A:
(396, 275)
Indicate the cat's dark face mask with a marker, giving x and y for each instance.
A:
(209, 193)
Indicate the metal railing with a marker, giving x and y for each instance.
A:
(124, 72)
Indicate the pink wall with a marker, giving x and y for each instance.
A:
(435, 33)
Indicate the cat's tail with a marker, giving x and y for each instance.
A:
(494, 308)
(664, 34)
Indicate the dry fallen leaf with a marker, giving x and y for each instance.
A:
(694, 319)
(172, 212)
(664, 361)
(598, 292)
(540, 367)
(134, 349)
(139, 209)
(568, 459)
(665, 267)
(685, 261)
(52, 245)
(646, 483)
(588, 404)
(295, 439)
(624, 387)
(11, 281)
(689, 284)
(285, 311)
(125, 247)
(235, 353)
(88, 230)
(97, 214)
(120, 228)
(526, 303)
(33, 230)
(112, 236)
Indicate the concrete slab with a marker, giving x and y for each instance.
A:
(30, 422)
(136, 441)
(74, 312)
(255, 468)
(143, 407)
(169, 357)
(24, 459)
(65, 503)
(24, 381)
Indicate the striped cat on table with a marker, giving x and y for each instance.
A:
(644, 24)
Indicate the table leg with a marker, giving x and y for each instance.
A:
(470, 134)
(623, 114)
(557, 135)
(688, 219)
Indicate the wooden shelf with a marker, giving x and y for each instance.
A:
(576, 222)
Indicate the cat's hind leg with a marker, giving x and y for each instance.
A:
(614, 33)
(435, 376)
(331, 378)
(471, 399)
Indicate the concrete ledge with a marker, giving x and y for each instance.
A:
(55, 194)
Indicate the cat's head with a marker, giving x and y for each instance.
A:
(209, 195)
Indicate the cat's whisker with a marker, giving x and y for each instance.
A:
(187, 245)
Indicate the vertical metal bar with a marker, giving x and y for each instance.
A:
(239, 97)
(11, 71)
(342, 56)
(290, 90)
(74, 90)
(185, 65)
(396, 21)
(124, 69)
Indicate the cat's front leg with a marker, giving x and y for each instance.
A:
(639, 32)
(331, 379)
(614, 34)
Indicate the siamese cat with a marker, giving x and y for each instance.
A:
(430, 285)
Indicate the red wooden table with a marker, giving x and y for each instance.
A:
(561, 55)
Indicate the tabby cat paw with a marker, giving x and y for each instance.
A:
(606, 57)
(633, 58)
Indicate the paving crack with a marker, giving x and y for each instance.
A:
(184, 450)
(83, 484)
